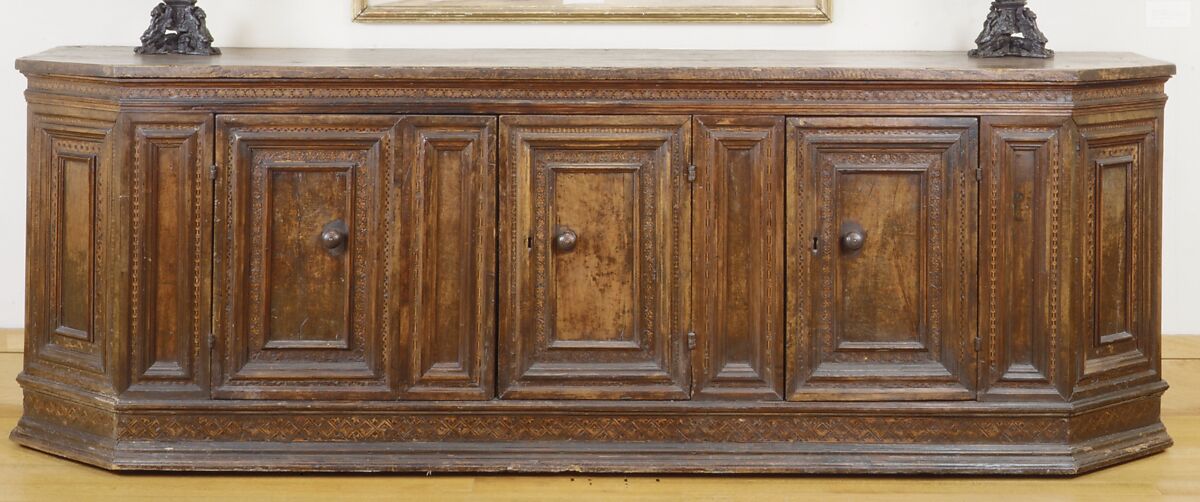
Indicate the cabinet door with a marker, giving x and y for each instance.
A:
(300, 223)
(738, 258)
(71, 242)
(594, 236)
(1120, 199)
(881, 262)
(445, 282)
(169, 156)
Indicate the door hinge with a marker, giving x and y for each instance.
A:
(692, 173)
(691, 340)
(978, 174)
(212, 172)
(212, 341)
(978, 343)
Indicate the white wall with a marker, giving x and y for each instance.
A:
(28, 26)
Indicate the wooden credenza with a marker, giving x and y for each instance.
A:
(601, 261)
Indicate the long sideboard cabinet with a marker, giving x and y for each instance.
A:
(596, 261)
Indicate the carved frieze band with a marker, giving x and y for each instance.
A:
(365, 93)
(525, 426)
(555, 427)
(1115, 419)
(74, 416)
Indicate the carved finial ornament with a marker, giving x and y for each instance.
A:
(178, 27)
(1011, 30)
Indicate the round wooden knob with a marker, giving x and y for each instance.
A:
(566, 240)
(332, 239)
(334, 236)
(853, 241)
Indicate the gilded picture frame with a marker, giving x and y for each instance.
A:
(669, 11)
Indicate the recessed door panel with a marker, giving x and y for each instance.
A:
(71, 174)
(881, 305)
(594, 231)
(595, 284)
(301, 225)
(309, 290)
(881, 260)
(1118, 204)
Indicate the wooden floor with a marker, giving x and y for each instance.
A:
(1174, 475)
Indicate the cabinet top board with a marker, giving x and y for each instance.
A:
(573, 64)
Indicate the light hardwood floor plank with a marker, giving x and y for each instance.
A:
(12, 340)
(1181, 347)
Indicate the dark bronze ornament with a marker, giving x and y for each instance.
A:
(178, 27)
(1011, 30)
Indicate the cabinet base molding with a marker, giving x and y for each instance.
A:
(809, 438)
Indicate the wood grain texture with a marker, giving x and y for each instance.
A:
(1120, 213)
(170, 156)
(602, 320)
(894, 319)
(561, 64)
(1021, 316)
(69, 295)
(446, 275)
(30, 476)
(295, 319)
(738, 259)
(594, 261)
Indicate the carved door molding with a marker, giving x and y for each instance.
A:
(594, 236)
(882, 223)
(738, 257)
(301, 219)
(1121, 170)
(445, 279)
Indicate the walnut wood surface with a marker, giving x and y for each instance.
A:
(894, 319)
(30, 476)
(552, 64)
(738, 257)
(603, 320)
(594, 260)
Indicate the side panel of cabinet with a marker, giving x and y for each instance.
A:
(70, 317)
(594, 236)
(1119, 209)
(1025, 192)
(882, 221)
(169, 156)
(301, 226)
(447, 251)
(738, 252)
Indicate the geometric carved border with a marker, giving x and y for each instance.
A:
(68, 414)
(674, 428)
